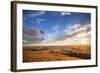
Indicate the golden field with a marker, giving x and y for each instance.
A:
(56, 53)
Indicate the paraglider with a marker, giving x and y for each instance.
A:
(42, 32)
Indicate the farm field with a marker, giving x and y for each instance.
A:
(56, 53)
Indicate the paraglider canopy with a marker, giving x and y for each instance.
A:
(42, 32)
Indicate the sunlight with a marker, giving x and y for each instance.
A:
(84, 41)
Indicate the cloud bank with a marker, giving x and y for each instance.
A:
(76, 34)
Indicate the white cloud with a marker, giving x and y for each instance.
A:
(77, 28)
(37, 14)
(39, 20)
(66, 13)
(74, 37)
(34, 14)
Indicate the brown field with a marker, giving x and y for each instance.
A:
(56, 53)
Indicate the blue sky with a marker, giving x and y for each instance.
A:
(52, 26)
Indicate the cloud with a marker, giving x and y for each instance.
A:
(31, 31)
(77, 34)
(77, 28)
(31, 35)
(39, 20)
(32, 38)
(65, 13)
(74, 36)
(80, 35)
(37, 14)
(51, 36)
(34, 14)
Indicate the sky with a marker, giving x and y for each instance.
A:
(56, 28)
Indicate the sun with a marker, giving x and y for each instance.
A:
(84, 41)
